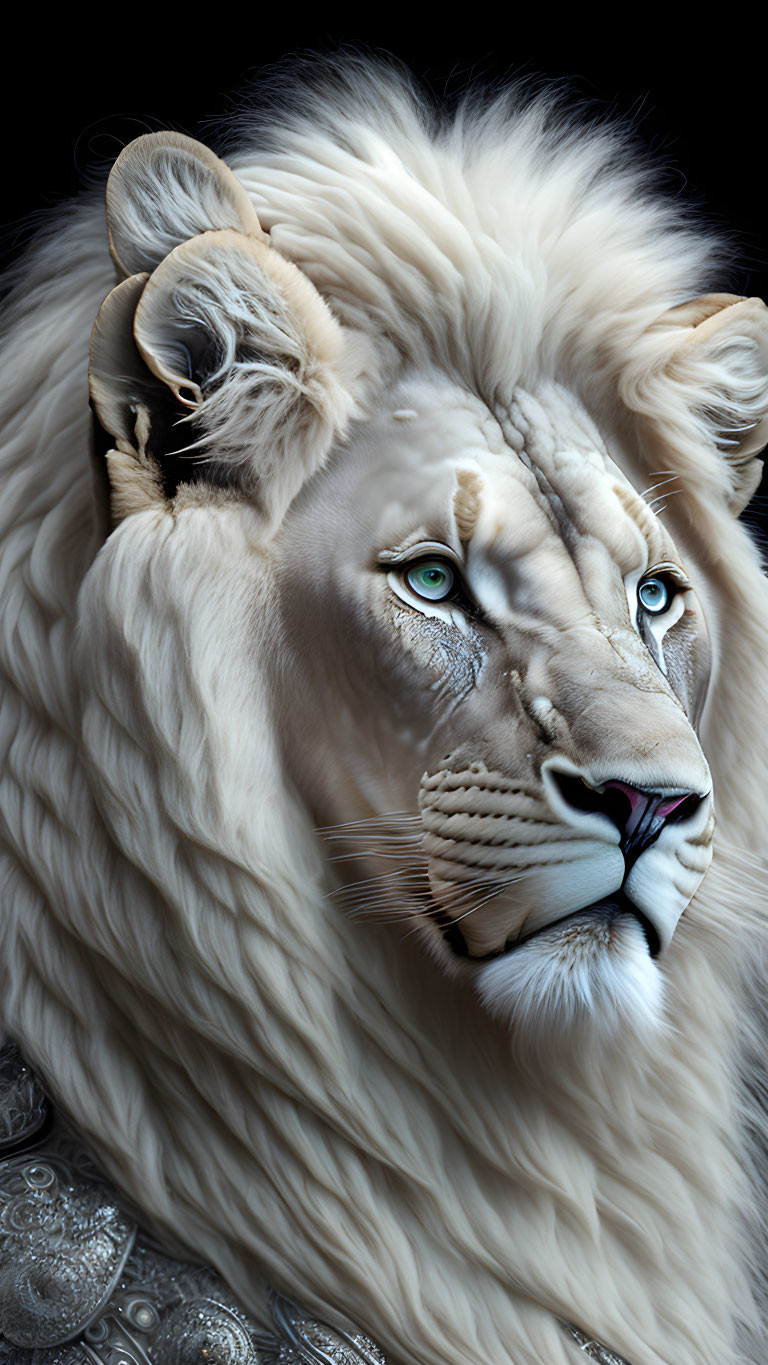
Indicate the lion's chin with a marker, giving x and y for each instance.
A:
(591, 972)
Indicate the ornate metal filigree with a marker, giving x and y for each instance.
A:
(73, 1353)
(80, 1285)
(593, 1350)
(23, 1106)
(62, 1247)
(300, 1341)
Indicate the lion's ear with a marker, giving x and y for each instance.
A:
(121, 399)
(709, 356)
(232, 337)
(165, 188)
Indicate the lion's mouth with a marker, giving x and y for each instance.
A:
(606, 910)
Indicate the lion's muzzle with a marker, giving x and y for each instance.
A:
(507, 860)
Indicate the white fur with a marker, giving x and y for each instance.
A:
(578, 981)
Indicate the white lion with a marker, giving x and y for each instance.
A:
(417, 601)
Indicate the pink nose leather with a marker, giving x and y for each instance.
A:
(639, 802)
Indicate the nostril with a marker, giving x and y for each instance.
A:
(575, 791)
(611, 800)
(638, 813)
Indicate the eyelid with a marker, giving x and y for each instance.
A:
(672, 571)
(425, 549)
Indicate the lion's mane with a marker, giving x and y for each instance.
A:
(279, 1093)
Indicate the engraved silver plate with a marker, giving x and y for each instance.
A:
(73, 1353)
(594, 1350)
(80, 1286)
(63, 1244)
(300, 1341)
(23, 1106)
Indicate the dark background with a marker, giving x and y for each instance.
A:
(72, 97)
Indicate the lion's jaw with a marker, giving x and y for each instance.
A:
(451, 736)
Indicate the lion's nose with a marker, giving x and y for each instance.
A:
(639, 813)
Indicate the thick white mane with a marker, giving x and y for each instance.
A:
(287, 1096)
(509, 241)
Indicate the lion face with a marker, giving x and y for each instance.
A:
(505, 657)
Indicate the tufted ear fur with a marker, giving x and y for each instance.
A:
(702, 376)
(165, 188)
(223, 364)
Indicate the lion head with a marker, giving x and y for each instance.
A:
(492, 654)
(377, 725)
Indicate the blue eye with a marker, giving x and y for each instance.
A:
(432, 579)
(655, 594)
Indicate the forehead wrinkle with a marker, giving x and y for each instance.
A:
(545, 496)
(561, 521)
(567, 514)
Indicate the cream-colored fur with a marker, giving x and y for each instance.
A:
(468, 336)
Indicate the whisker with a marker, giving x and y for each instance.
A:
(466, 898)
(400, 873)
(366, 906)
(497, 890)
(381, 819)
(375, 840)
(370, 853)
(665, 499)
(378, 910)
(382, 895)
(389, 917)
(385, 830)
(408, 853)
(652, 488)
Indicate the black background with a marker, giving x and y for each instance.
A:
(73, 95)
(76, 92)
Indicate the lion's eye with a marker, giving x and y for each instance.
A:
(432, 579)
(655, 594)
